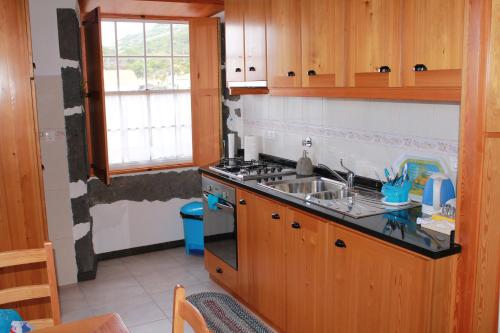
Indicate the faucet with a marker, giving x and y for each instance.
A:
(350, 175)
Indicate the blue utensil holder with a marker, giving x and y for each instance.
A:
(396, 193)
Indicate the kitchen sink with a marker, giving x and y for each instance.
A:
(304, 186)
(355, 202)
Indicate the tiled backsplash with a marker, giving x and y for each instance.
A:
(368, 135)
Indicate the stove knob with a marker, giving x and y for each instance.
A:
(280, 169)
(265, 170)
(273, 170)
(225, 195)
(259, 171)
(209, 188)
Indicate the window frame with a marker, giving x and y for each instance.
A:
(137, 167)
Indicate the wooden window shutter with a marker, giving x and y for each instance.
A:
(94, 91)
(205, 89)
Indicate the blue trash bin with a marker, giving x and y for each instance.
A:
(192, 216)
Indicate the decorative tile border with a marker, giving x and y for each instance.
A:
(449, 147)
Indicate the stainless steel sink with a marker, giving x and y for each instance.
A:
(305, 186)
(355, 202)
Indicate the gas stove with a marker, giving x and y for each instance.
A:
(236, 168)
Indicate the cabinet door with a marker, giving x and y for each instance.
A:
(283, 43)
(266, 219)
(243, 202)
(373, 285)
(235, 40)
(255, 40)
(374, 42)
(305, 259)
(322, 33)
(433, 36)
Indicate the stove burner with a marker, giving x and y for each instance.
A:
(245, 170)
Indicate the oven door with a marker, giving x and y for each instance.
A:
(220, 231)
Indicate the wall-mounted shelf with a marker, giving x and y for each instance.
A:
(439, 94)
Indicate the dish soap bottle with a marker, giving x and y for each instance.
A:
(304, 165)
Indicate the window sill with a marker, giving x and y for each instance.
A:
(150, 168)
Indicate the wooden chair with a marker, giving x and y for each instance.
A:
(185, 311)
(23, 293)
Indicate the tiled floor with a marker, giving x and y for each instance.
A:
(139, 288)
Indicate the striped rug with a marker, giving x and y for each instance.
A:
(224, 314)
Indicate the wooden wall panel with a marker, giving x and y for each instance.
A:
(488, 261)
(22, 206)
(493, 98)
(205, 89)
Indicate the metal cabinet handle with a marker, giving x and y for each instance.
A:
(291, 74)
(419, 68)
(219, 270)
(243, 202)
(311, 72)
(340, 243)
(238, 70)
(296, 225)
(384, 69)
(275, 216)
(252, 69)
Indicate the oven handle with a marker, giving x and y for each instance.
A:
(219, 205)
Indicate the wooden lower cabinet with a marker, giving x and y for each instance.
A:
(373, 287)
(267, 274)
(304, 274)
(305, 249)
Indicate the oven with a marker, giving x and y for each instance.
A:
(219, 220)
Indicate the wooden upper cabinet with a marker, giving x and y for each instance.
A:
(255, 40)
(283, 43)
(305, 257)
(265, 233)
(235, 40)
(245, 40)
(432, 39)
(374, 43)
(373, 285)
(322, 34)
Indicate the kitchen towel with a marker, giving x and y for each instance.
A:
(252, 147)
(212, 201)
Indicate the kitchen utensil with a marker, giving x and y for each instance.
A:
(438, 190)
(304, 165)
(387, 175)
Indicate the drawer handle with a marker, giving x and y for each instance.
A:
(384, 69)
(275, 216)
(219, 270)
(340, 243)
(296, 225)
(243, 202)
(311, 72)
(252, 69)
(419, 68)
(291, 74)
(238, 70)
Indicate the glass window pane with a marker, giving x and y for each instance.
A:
(131, 74)
(108, 38)
(110, 74)
(162, 110)
(181, 39)
(130, 38)
(158, 39)
(159, 73)
(182, 79)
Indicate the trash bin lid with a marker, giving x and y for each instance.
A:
(194, 208)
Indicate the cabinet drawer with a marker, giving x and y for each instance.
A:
(220, 271)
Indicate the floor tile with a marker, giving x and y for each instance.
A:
(156, 326)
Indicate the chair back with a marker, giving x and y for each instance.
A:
(186, 312)
(24, 293)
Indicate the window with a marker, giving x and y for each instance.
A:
(147, 92)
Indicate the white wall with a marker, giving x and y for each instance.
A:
(49, 95)
(368, 135)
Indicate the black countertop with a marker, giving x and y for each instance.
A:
(397, 227)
